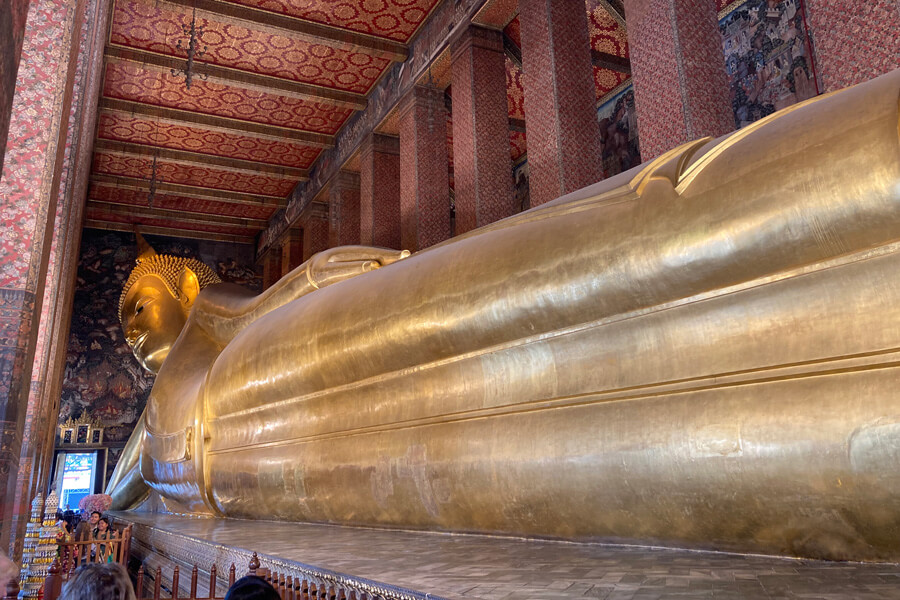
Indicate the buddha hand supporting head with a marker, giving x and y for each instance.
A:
(156, 300)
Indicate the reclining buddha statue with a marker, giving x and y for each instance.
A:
(702, 352)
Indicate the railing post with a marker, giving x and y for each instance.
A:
(231, 575)
(53, 582)
(175, 577)
(194, 582)
(139, 589)
(157, 584)
(212, 581)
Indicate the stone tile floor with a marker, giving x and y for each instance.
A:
(463, 566)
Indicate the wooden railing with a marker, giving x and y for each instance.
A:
(288, 587)
(106, 547)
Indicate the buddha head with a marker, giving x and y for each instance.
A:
(156, 301)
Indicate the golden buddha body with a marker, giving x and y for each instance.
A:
(699, 352)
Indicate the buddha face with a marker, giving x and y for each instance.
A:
(153, 319)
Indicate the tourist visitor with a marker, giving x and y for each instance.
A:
(99, 581)
(251, 587)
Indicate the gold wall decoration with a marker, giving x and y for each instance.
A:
(82, 431)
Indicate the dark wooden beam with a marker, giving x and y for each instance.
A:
(179, 216)
(512, 50)
(294, 27)
(517, 125)
(190, 191)
(237, 78)
(175, 232)
(235, 126)
(199, 159)
(605, 60)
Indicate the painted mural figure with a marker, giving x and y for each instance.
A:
(692, 352)
(767, 58)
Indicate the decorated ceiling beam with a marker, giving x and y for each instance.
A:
(187, 190)
(307, 30)
(177, 216)
(236, 126)
(170, 232)
(447, 22)
(605, 60)
(183, 156)
(234, 77)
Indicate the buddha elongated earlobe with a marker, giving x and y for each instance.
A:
(188, 287)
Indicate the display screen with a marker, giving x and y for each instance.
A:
(77, 479)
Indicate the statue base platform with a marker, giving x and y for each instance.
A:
(419, 565)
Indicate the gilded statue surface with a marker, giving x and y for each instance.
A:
(700, 352)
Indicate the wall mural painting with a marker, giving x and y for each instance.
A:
(102, 378)
(618, 131)
(767, 56)
(520, 177)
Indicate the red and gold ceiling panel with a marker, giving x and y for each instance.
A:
(157, 27)
(391, 19)
(96, 213)
(607, 34)
(138, 83)
(166, 201)
(517, 146)
(606, 80)
(187, 174)
(496, 13)
(515, 91)
(178, 136)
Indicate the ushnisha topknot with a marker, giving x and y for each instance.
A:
(169, 269)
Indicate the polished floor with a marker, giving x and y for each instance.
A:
(460, 566)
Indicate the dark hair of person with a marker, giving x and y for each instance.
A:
(96, 512)
(251, 587)
(99, 581)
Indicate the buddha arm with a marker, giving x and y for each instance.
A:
(224, 310)
(126, 486)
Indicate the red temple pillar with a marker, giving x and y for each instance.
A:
(53, 332)
(291, 251)
(12, 33)
(271, 267)
(343, 207)
(680, 85)
(560, 101)
(29, 192)
(379, 188)
(315, 235)
(853, 41)
(424, 165)
(482, 167)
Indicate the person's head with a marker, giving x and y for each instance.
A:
(103, 525)
(156, 300)
(99, 581)
(251, 587)
(95, 517)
